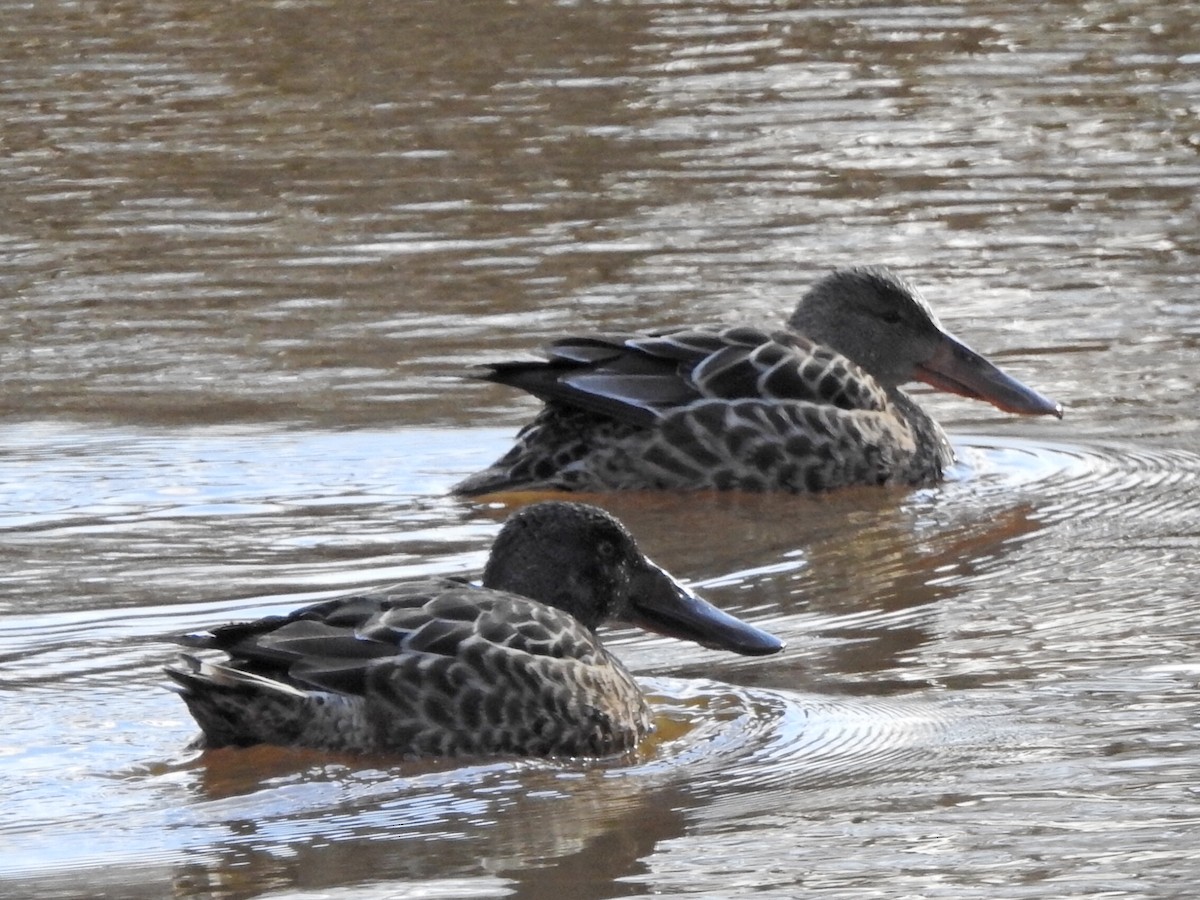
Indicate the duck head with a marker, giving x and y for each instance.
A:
(879, 320)
(580, 559)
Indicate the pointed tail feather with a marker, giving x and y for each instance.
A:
(240, 709)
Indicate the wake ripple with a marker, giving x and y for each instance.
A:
(720, 737)
(1082, 481)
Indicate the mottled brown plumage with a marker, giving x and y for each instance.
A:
(439, 667)
(813, 407)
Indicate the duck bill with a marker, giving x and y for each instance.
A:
(661, 604)
(956, 368)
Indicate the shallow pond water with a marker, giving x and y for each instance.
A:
(250, 251)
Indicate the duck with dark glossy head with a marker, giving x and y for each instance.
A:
(440, 667)
(810, 408)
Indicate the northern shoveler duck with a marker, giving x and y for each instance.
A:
(809, 408)
(440, 667)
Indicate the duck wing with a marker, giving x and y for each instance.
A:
(640, 378)
(335, 645)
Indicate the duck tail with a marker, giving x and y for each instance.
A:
(237, 708)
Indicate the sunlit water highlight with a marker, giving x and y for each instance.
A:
(97, 752)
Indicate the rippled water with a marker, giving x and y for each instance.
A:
(248, 251)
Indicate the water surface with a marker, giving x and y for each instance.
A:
(248, 252)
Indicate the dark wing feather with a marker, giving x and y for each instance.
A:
(526, 626)
(603, 374)
(639, 378)
(329, 644)
(332, 645)
(785, 367)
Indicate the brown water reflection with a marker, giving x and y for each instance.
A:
(247, 252)
(590, 827)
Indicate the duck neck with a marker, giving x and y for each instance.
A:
(934, 452)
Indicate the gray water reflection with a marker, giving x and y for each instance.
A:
(247, 252)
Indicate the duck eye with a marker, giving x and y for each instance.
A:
(606, 550)
(891, 317)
